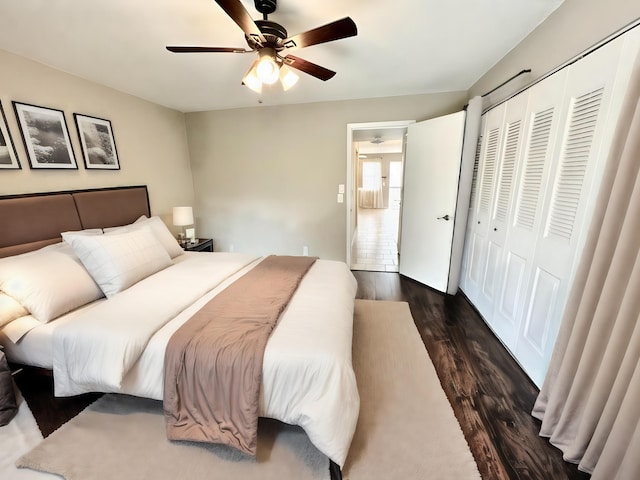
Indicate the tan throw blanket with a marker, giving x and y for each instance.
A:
(213, 363)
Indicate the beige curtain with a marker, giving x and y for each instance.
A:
(371, 194)
(590, 401)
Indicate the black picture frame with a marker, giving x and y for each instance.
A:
(45, 136)
(8, 155)
(97, 142)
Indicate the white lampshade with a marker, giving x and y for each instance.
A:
(267, 69)
(251, 79)
(287, 78)
(182, 216)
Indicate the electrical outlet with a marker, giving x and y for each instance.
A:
(340, 198)
(305, 251)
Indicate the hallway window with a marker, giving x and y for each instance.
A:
(371, 175)
(395, 184)
(395, 174)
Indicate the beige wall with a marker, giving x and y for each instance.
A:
(151, 140)
(574, 27)
(266, 178)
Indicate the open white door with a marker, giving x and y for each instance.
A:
(431, 177)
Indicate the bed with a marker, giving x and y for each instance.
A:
(117, 343)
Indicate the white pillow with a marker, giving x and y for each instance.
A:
(17, 329)
(48, 282)
(118, 260)
(87, 231)
(158, 228)
(162, 233)
(10, 309)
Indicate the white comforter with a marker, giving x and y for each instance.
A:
(308, 379)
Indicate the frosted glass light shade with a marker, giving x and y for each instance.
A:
(182, 216)
(287, 78)
(251, 79)
(267, 69)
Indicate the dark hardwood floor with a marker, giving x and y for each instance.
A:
(36, 386)
(491, 396)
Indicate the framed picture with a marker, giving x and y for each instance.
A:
(98, 144)
(8, 155)
(46, 137)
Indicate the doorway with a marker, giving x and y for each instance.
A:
(374, 203)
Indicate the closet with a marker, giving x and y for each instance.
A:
(538, 168)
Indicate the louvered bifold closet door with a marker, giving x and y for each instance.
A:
(531, 179)
(496, 281)
(580, 151)
(485, 187)
(465, 283)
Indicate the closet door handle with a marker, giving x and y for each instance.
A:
(444, 217)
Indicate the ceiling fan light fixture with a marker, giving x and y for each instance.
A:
(267, 68)
(271, 39)
(287, 77)
(377, 140)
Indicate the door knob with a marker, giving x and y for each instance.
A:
(444, 217)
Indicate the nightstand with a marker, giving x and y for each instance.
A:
(201, 245)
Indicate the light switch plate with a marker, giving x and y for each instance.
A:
(341, 188)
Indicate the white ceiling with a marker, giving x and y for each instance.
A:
(368, 148)
(385, 134)
(403, 47)
(392, 139)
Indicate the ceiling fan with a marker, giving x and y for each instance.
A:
(271, 40)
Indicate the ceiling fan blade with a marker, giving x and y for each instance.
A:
(327, 33)
(207, 49)
(239, 14)
(312, 69)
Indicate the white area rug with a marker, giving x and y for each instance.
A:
(406, 430)
(16, 439)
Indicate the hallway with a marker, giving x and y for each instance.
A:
(375, 246)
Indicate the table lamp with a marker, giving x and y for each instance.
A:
(182, 216)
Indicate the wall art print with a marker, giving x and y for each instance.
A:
(97, 142)
(8, 155)
(46, 137)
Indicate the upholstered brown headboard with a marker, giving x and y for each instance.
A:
(31, 221)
